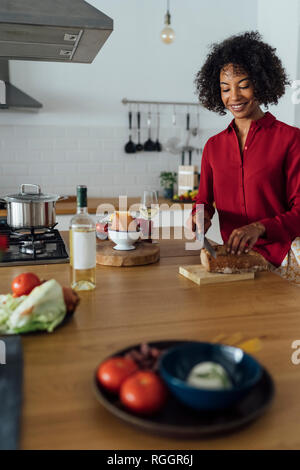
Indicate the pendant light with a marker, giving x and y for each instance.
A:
(167, 35)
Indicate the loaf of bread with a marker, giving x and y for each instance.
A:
(227, 263)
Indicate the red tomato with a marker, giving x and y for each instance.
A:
(143, 392)
(114, 371)
(24, 283)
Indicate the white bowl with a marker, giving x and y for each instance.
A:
(124, 240)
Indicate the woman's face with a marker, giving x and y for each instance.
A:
(237, 92)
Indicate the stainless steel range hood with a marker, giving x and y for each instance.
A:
(52, 30)
(11, 96)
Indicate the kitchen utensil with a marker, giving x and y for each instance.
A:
(177, 420)
(158, 146)
(31, 209)
(144, 253)
(174, 116)
(172, 144)
(208, 246)
(198, 274)
(187, 120)
(139, 147)
(182, 157)
(187, 176)
(149, 145)
(130, 146)
(196, 130)
(243, 371)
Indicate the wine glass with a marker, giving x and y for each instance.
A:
(148, 209)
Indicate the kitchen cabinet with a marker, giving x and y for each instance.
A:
(153, 303)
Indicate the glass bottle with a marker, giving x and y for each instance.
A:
(82, 245)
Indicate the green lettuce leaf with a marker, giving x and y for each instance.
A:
(43, 309)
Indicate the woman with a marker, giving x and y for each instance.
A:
(251, 170)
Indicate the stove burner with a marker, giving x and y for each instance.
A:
(36, 246)
(33, 232)
(32, 247)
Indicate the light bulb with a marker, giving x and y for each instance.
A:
(167, 35)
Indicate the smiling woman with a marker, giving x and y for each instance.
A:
(248, 53)
(237, 94)
(251, 170)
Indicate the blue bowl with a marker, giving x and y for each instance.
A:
(177, 362)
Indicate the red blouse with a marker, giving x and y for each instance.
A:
(260, 185)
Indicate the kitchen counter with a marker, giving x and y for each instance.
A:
(151, 303)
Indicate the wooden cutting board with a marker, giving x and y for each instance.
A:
(198, 274)
(145, 253)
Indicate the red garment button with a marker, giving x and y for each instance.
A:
(246, 148)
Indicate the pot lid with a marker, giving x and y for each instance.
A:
(31, 193)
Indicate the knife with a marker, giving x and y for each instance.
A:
(207, 245)
(209, 248)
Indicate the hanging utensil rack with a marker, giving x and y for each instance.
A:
(186, 104)
(160, 103)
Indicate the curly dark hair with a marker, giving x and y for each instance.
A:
(249, 53)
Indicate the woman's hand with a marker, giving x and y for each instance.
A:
(248, 234)
(191, 223)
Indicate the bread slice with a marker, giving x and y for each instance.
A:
(227, 263)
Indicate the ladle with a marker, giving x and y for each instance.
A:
(130, 146)
(158, 145)
(139, 147)
(149, 145)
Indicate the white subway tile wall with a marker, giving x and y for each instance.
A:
(60, 158)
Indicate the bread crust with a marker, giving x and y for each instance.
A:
(227, 263)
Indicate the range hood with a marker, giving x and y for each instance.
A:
(11, 96)
(52, 30)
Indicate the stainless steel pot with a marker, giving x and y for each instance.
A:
(31, 209)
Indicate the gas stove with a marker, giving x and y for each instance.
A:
(43, 246)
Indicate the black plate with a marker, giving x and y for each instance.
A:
(65, 320)
(177, 420)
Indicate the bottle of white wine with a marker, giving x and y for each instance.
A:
(82, 245)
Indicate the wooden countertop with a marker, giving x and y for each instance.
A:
(151, 303)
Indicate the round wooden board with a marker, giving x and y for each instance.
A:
(145, 253)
